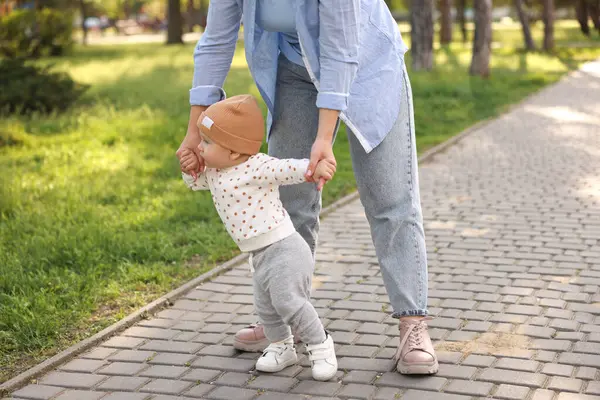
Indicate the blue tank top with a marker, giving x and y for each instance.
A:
(280, 16)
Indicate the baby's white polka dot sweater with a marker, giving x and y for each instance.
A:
(247, 198)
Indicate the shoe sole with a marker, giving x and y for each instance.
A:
(251, 347)
(278, 367)
(418, 369)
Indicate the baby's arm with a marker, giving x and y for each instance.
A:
(281, 171)
(198, 183)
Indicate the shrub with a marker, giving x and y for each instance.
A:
(29, 33)
(25, 88)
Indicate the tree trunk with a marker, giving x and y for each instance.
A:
(190, 16)
(446, 29)
(524, 18)
(482, 41)
(460, 14)
(548, 17)
(581, 9)
(595, 13)
(421, 20)
(83, 17)
(174, 28)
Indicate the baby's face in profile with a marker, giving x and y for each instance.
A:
(217, 156)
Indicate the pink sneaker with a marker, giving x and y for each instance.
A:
(252, 338)
(415, 353)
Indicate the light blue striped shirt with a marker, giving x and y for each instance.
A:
(352, 50)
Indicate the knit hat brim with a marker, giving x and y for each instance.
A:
(225, 139)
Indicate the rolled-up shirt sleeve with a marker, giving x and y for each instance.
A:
(214, 52)
(338, 43)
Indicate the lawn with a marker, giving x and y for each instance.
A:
(94, 218)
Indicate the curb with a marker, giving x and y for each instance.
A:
(164, 301)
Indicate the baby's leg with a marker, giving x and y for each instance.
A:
(275, 329)
(290, 266)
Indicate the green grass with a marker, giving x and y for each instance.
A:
(94, 218)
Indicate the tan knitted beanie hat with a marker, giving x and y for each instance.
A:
(235, 123)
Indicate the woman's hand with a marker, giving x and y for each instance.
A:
(190, 144)
(321, 151)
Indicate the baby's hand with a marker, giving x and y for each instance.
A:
(189, 163)
(324, 172)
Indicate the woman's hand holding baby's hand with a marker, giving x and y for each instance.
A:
(189, 162)
(324, 172)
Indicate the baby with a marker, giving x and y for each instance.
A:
(245, 189)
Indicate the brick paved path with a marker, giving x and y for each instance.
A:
(513, 231)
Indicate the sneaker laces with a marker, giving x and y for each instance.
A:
(414, 336)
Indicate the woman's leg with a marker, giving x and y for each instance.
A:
(294, 130)
(388, 184)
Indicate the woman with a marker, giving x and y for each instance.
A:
(315, 62)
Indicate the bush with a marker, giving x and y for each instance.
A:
(29, 33)
(26, 88)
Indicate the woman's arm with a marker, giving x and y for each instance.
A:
(212, 61)
(214, 52)
(338, 43)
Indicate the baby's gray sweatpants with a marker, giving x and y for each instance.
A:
(282, 280)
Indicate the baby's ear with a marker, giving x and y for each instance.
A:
(234, 156)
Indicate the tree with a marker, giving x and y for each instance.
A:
(421, 21)
(524, 18)
(174, 28)
(581, 9)
(82, 9)
(594, 6)
(482, 40)
(462, 19)
(548, 18)
(446, 29)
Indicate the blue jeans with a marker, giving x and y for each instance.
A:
(387, 180)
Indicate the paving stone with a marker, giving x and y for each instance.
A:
(317, 388)
(511, 392)
(371, 340)
(172, 359)
(343, 325)
(387, 393)
(478, 326)
(535, 331)
(166, 386)
(471, 388)
(164, 371)
(501, 376)
(395, 379)
(202, 375)
(575, 396)
(42, 392)
(517, 365)
(123, 368)
(357, 391)
(72, 380)
(150, 333)
(123, 342)
(200, 390)
(593, 388)
(558, 369)
(230, 393)
(126, 396)
(462, 336)
(479, 361)
(586, 373)
(356, 351)
(123, 383)
(234, 379)
(364, 377)
(171, 346)
(224, 363)
(422, 395)
(456, 371)
(275, 383)
(82, 365)
(550, 345)
(563, 384)
(586, 347)
(99, 353)
(365, 364)
(579, 359)
(80, 395)
(542, 394)
(135, 356)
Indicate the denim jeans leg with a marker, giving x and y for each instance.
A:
(388, 184)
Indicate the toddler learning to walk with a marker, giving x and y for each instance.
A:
(245, 190)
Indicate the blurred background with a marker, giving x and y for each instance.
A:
(94, 219)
